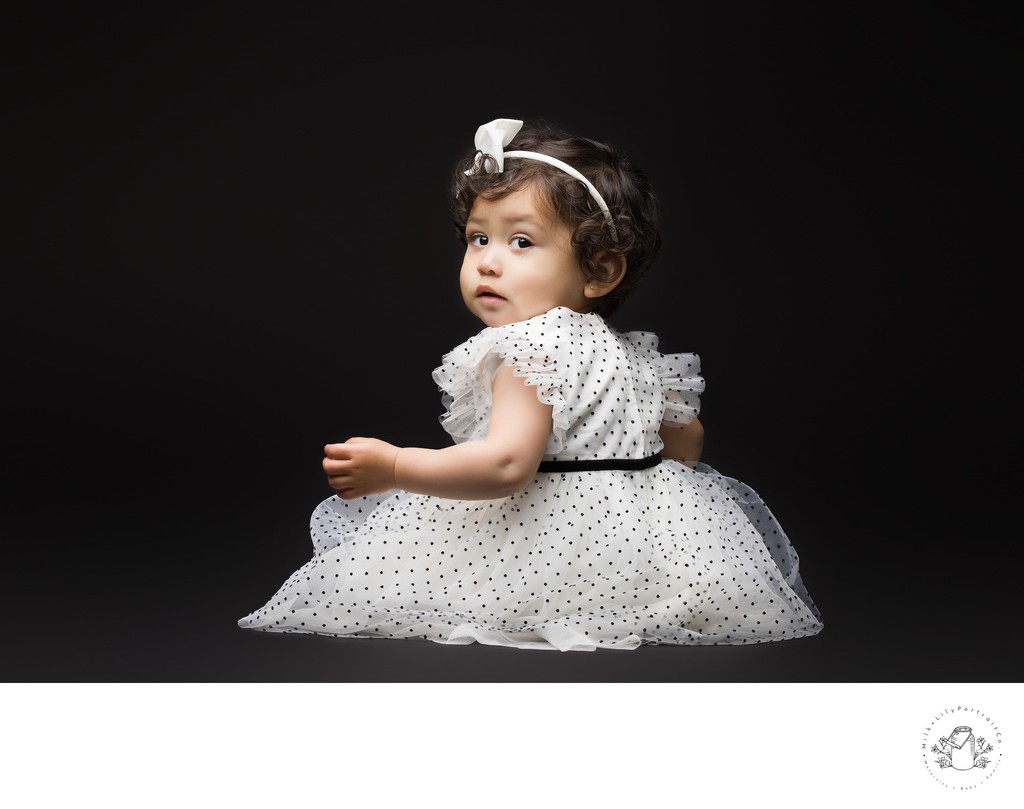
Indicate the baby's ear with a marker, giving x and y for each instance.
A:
(612, 269)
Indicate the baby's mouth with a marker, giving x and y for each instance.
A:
(489, 295)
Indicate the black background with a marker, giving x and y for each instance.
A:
(227, 245)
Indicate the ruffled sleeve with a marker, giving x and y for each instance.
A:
(534, 350)
(679, 375)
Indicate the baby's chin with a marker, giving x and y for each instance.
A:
(503, 315)
(496, 320)
(493, 315)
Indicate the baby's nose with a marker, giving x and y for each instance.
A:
(489, 263)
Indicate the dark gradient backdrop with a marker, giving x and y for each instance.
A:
(226, 244)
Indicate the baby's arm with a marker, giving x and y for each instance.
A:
(495, 466)
(684, 444)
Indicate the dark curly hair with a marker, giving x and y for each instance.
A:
(625, 188)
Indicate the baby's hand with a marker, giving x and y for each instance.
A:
(360, 466)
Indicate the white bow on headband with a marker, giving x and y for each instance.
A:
(491, 140)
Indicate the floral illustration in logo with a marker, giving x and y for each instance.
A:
(961, 750)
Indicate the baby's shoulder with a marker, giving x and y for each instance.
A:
(556, 330)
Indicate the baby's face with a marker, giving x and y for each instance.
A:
(519, 262)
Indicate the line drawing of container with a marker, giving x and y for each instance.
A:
(961, 748)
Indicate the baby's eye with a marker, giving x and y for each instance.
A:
(477, 239)
(521, 242)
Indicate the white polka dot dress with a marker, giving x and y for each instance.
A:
(581, 559)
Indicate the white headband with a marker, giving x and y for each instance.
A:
(492, 138)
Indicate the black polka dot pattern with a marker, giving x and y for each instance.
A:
(576, 560)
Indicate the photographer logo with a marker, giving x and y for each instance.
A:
(962, 747)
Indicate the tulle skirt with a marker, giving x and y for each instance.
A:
(575, 561)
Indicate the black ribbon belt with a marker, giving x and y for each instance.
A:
(622, 464)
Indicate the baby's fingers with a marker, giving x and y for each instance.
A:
(338, 482)
(343, 449)
(333, 467)
(338, 452)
